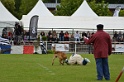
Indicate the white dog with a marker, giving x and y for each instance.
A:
(77, 59)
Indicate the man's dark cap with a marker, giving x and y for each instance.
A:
(100, 27)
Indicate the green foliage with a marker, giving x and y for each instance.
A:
(9, 4)
(115, 1)
(26, 6)
(44, 38)
(121, 13)
(101, 9)
(50, 52)
(110, 1)
(17, 4)
(51, 1)
(68, 7)
(19, 7)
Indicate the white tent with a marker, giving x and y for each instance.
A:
(40, 9)
(84, 11)
(76, 21)
(58, 22)
(6, 18)
(112, 22)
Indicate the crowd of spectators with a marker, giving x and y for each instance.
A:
(53, 36)
(14, 36)
(118, 37)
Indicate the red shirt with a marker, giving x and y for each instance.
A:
(101, 43)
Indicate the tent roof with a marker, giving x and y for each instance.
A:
(83, 18)
(84, 10)
(5, 15)
(67, 22)
(40, 9)
(6, 18)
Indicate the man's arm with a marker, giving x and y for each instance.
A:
(109, 47)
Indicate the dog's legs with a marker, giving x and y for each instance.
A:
(61, 62)
(53, 60)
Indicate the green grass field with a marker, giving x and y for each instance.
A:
(38, 68)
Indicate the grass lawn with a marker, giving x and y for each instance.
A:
(38, 68)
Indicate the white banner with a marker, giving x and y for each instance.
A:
(116, 12)
(61, 47)
(17, 49)
(118, 47)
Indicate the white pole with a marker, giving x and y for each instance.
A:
(75, 47)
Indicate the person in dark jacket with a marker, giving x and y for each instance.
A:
(102, 49)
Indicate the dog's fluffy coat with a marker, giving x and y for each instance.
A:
(61, 55)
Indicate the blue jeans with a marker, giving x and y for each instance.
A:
(61, 38)
(102, 68)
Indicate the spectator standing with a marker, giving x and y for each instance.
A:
(88, 34)
(71, 39)
(102, 48)
(10, 35)
(77, 36)
(54, 33)
(120, 36)
(66, 36)
(115, 36)
(49, 33)
(4, 36)
(61, 36)
(42, 34)
(84, 34)
(4, 31)
(18, 31)
(55, 39)
(50, 39)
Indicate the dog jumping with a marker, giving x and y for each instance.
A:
(58, 54)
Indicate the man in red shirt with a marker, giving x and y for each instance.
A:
(102, 48)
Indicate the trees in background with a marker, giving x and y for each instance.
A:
(9, 4)
(19, 7)
(100, 8)
(26, 6)
(51, 1)
(115, 1)
(121, 13)
(66, 8)
(110, 1)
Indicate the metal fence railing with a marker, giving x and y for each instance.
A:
(80, 47)
(74, 47)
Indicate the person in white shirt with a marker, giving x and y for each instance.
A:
(77, 59)
(77, 36)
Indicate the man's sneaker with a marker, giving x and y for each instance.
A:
(66, 61)
(87, 60)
